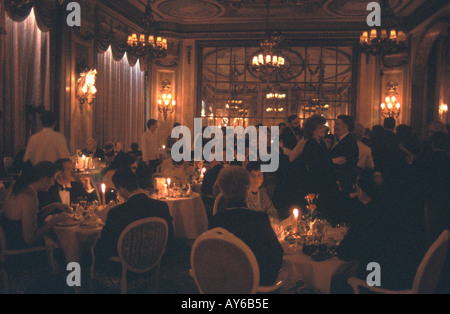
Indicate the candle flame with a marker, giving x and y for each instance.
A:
(103, 187)
(295, 212)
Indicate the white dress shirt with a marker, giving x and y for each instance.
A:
(65, 195)
(150, 145)
(46, 145)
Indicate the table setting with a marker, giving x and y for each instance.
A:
(310, 247)
(186, 207)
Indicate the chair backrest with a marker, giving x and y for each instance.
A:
(430, 268)
(8, 162)
(221, 263)
(142, 244)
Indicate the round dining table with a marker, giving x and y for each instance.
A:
(317, 275)
(188, 213)
(76, 240)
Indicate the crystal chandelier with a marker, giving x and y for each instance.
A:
(391, 106)
(275, 96)
(270, 59)
(383, 41)
(147, 44)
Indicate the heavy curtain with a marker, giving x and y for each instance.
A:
(25, 78)
(120, 110)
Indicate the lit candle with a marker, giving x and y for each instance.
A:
(202, 173)
(168, 186)
(295, 212)
(83, 164)
(103, 186)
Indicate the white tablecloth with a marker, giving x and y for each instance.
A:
(317, 275)
(189, 216)
(76, 241)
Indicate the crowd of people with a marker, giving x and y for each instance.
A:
(390, 188)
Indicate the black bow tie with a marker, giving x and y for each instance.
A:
(62, 188)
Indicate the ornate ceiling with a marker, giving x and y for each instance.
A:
(183, 17)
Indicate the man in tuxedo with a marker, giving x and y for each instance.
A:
(67, 189)
(137, 206)
(292, 133)
(345, 153)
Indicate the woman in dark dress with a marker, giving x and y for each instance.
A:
(319, 166)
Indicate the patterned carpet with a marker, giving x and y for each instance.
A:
(32, 275)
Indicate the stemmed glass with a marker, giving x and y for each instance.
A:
(83, 201)
(76, 213)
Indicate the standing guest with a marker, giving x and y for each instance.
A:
(46, 144)
(345, 153)
(169, 140)
(252, 227)
(21, 222)
(92, 150)
(292, 133)
(365, 160)
(150, 147)
(137, 206)
(320, 177)
(67, 189)
(281, 127)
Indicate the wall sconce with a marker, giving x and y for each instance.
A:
(391, 106)
(86, 87)
(443, 110)
(166, 101)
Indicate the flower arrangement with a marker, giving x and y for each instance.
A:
(311, 207)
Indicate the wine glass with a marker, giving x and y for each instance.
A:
(83, 201)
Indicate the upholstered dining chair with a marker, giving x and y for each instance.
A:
(427, 275)
(5, 252)
(140, 248)
(221, 263)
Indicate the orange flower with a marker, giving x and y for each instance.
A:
(312, 207)
(310, 197)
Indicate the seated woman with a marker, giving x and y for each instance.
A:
(21, 222)
(257, 198)
(122, 160)
(252, 227)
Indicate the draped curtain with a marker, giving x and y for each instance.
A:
(25, 76)
(120, 109)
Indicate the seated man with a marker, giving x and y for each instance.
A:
(252, 227)
(92, 150)
(137, 206)
(67, 189)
